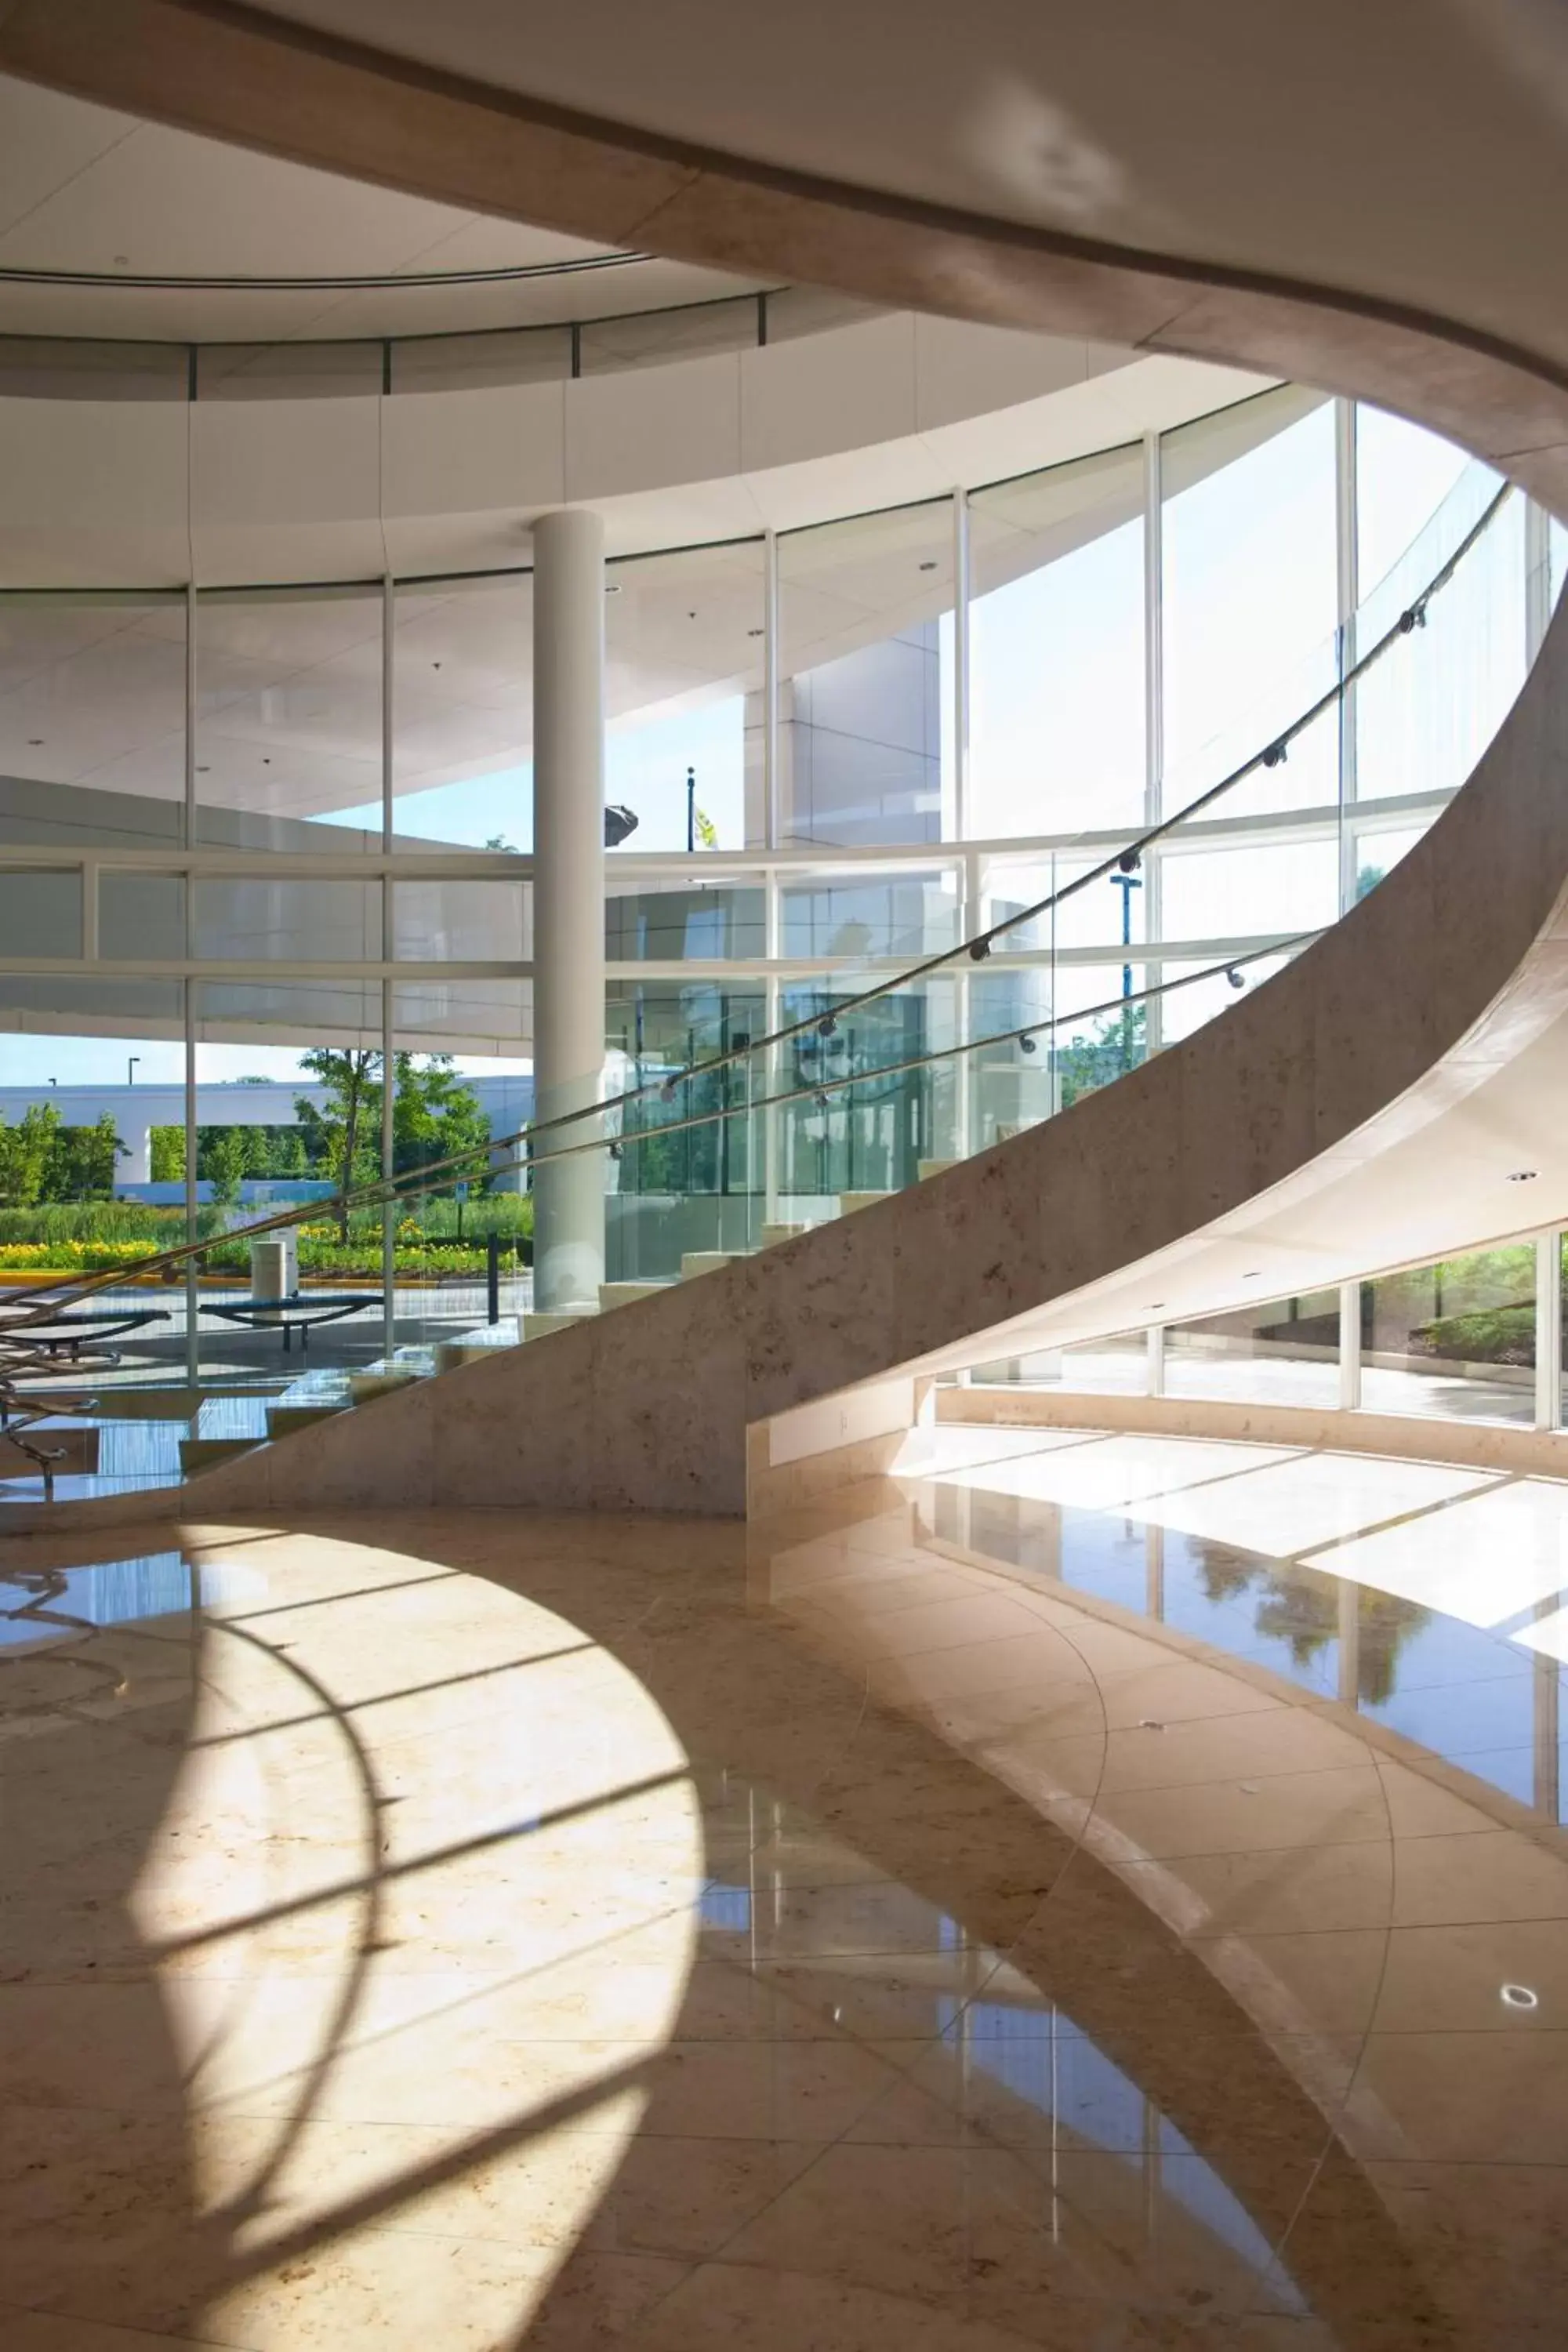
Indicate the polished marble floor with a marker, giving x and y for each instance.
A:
(1094, 1892)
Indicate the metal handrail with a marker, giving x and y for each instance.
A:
(386, 1190)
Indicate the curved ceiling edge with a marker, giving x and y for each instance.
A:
(230, 73)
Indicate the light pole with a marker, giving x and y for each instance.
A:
(690, 810)
(1126, 884)
(131, 1062)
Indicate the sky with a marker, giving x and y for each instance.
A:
(1056, 715)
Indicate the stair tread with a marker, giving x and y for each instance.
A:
(627, 1294)
(695, 1262)
(544, 1323)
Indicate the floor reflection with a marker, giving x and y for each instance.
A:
(964, 1917)
(1428, 1598)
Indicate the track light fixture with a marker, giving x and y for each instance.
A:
(1026, 1043)
(1237, 978)
(826, 1026)
(1277, 755)
(978, 950)
(1129, 861)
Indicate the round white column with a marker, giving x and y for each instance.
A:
(568, 900)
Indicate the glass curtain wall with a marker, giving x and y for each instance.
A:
(845, 748)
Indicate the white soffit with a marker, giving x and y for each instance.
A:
(88, 191)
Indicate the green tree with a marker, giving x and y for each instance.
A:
(435, 1115)
(286, 1152)
(341, 1140)
(81, 1162)
(1117, 1044)
(168, 1155)
(226, 1163)
(25, 1151)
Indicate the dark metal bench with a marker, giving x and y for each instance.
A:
(298, 1311)
(75, 1331)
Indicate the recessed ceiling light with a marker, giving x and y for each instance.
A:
(930, 564)
(1520, 1997)
(35, 742)
(122, 261)
(1522, 1175)
(754, 632)
(1256, 1275)
(204, 771)
(1155, 1302)
(611, 587)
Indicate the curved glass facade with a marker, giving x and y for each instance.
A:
(243, 828)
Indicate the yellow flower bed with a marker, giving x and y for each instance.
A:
(73, 1257)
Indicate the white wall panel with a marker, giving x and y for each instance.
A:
(839, 391)
(953, 360)
(639, 429)
(461, 452)
(286, 481)
(93, 491)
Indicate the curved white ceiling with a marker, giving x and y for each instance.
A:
(92, 193)
(1412, 150)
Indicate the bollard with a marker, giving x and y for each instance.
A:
(492, 1276)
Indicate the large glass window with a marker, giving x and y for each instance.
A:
(1403, 475)
(93, 1179)
(1250, 600)
(1287, 1352)
(288, 1109)
(462, 766)
(287, 1022)
(1428, 709)
(289, 719)
(682, 1180)
(865, 658)
(1457, 1338)
(92, 700)
(1055, 650)
(686, 662)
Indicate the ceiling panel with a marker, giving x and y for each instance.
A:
(84, 189)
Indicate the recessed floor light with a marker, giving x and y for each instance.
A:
(1520, 1997)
